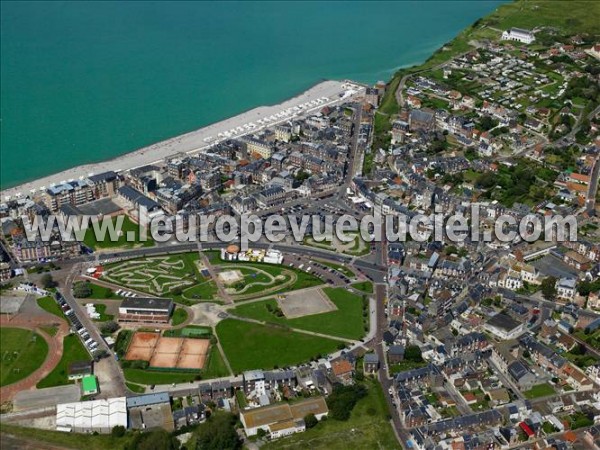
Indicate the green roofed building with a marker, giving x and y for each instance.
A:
(89, 385)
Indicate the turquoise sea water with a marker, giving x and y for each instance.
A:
(87, 81)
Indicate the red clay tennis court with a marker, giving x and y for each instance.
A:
(142, 346)
(175, 352)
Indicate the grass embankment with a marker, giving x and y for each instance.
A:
(22, 353)
(363, 286)
(180, 315)
(48, 304)
(73, 350)
(368, 427)
(149, 377)
(66, 440)
(253, 346)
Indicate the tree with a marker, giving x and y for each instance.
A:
(47, 281)
(487, 123)
(310, 420)
(343, 399)
(413, 353)
(549, 288)
(109, 327)
(82, 289)
(118, 431)
(153, 440)
(218, 433)
(177, 290)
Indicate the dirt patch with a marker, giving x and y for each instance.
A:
(231, 276)
(305, 303)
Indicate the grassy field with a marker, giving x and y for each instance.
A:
(101, 292)
(22, 352)
(252, 346)
(73, 350)
(215, 366)
(206, 290)
(101, 309)
(346, 321)
(67, 440)
(569, 16)
(364, 286)
(367, 428)
(49, 304)
(149, 377)
(128, 227)
(137, 388)
(540, 390)
(180, 315)
(50, 330)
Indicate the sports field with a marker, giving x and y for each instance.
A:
(168, 352)
(252, 346)
(23, 352)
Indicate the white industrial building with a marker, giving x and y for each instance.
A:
(518, 34)
(95, 415)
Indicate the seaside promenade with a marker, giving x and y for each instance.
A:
(327, 92)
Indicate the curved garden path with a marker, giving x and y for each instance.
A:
(55, 349)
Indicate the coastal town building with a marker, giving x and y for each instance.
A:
(282, 419)
(519, 35)
(151, 310)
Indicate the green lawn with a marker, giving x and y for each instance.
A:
(101, 309)
(22, 353)
(215, 366)
(149, 377)
(73, 350)
(206, 290)
(101, 292)
(252, 346)
(540, 390)
(347, 321)
(51, 330)
(180, 315)
(49, 304)
(137, 388)
(241, 398)
(364, 286)
(128, 227)
(367, 428)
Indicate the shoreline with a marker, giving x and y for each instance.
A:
(196, 141)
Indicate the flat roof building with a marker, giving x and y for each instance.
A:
(79, 369)
(89, 385)
(138, 309)
(87, 417)
(505, 327)
(282, 419)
